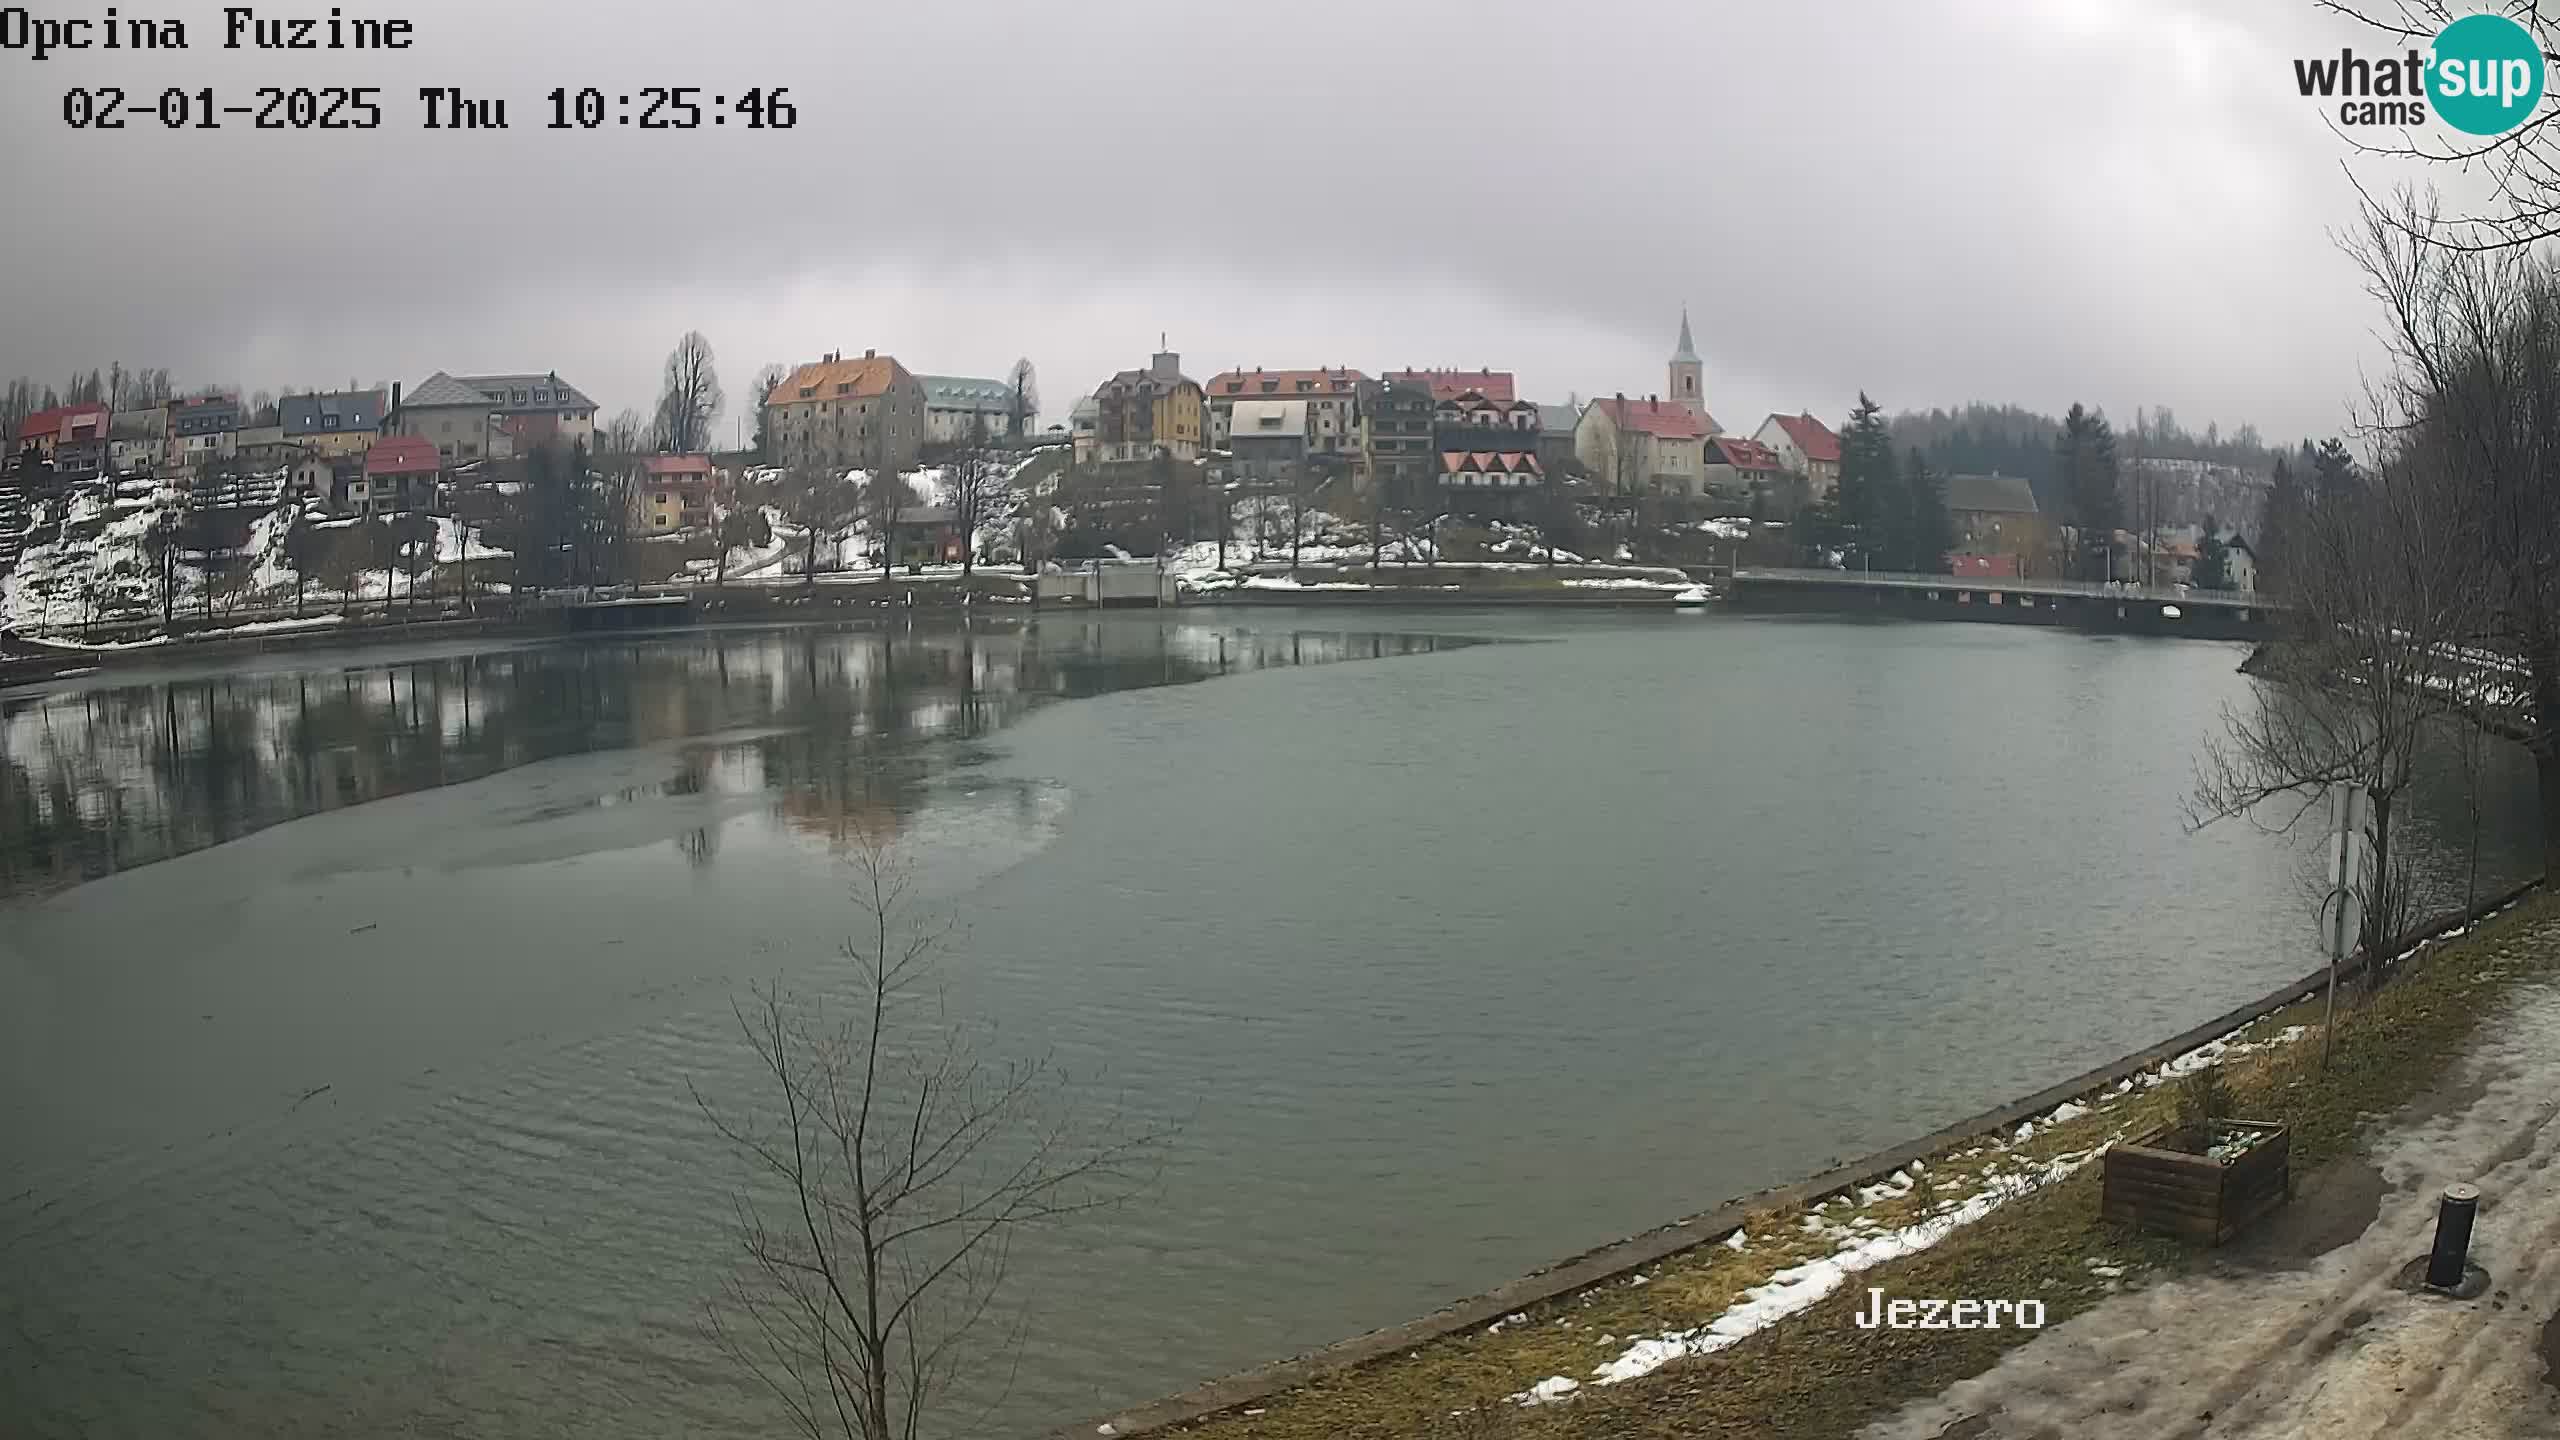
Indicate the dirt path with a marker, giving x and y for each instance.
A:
(2304, 1330)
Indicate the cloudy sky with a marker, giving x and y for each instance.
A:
(2118, 201)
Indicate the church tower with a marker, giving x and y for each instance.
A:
(1688, 373)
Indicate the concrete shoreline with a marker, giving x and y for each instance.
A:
(1607, 1262)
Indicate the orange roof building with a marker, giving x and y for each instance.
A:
(850, 413)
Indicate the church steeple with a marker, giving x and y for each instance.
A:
(1688, 372)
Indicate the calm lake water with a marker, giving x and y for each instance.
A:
(349, 1002)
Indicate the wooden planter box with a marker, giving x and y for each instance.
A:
(2195, 1197)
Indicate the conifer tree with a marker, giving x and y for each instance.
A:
(2087, 454)
(1929, 534)
(1869, 508)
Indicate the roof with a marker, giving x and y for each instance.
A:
(1661, 419)
(1688, 348)
(1514, 462)
(354, 409)
(496, 392)
(964, 392)
(1259, 381)
(59, 420)
(1086, 408)
(1142, 381)
(861, 378)
(1496, 384)
(1811, 436)
(544, 392)
(924, 515)
(1991, 494)
(1269, 419)
(1741, 454)
(442, 389)
(1558, 419)
(675, 465)
(395, 453)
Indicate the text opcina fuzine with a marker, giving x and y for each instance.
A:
(241, 27)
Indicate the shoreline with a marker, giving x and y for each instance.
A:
(1576, 1274)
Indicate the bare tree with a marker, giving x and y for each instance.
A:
(894, 1167)
(2362, 676)
(819, 500)
(2522, 166)
(766, 379)
(689, 400)
(2475, 334)
(625, 434)
(738, 519)
(1024, 404)
(973, 480)
(885, 492)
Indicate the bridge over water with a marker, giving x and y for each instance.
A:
(2004, 600)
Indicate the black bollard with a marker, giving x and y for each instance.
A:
(2453, 1236)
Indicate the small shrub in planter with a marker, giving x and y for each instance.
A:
(2205, 1177)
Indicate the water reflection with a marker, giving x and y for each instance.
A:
(103, 777)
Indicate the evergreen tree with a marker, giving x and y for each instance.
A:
(2086, 453)
(1868, 505)
(2213, 567)
(1928, 533)
(2333, 471)
(2277, 527)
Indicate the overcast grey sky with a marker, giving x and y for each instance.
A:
(2118, 201)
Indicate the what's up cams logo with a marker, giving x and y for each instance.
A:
(2482, 76)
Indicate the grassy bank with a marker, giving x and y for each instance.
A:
(1815, 1373)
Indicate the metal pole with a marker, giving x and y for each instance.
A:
(2342, 891)
(2452, 1252)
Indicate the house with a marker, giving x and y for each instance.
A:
(671, 492)
(1140, 413)
(2239, 563)
(927, 535)
(135, 440)
(956, 405)
(399, 476)
(468, 417)
(1332, 398)
(1084, 426)
(1995, 516)
(1737, 469)
(866, 413)
(262, 443)
(1983, 567)
(1269, 438)
(1492, 384)
(334, 424)
(1643, 447)
(201, 429)
(1805, 446)
(1502, 473)
(69, 439)
(1395, 429)
(1556, 424)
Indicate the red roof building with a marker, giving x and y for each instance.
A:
(1496, 385)
(395, 455)
(1812, 437)
(62, 425)
(1657, 417)
(676, 467)
(1806, 445)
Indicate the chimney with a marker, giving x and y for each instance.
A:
(391, 422)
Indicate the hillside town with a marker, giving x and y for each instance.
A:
(126, 498)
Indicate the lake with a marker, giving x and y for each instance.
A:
(353, 1003)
